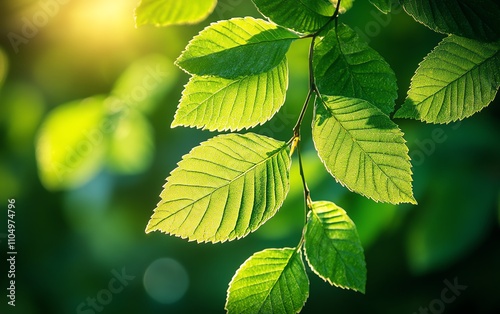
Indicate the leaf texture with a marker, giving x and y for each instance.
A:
(363, 149)
(224, 188)
(385, 6)
(333, 248)
(457, 79)
(475, 19)
(271, 281)
(305, 16)
(173, 12)
(216, 103)
(237, 47)
(344, 65)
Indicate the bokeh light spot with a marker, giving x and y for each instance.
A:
(166, 280)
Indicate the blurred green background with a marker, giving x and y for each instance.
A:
(80, 236)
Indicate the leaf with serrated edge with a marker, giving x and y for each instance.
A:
(224, 189)
(271, 281)
(305, 16)
(457, 79)
(216, 103)
(173, 12)
(363, 149)
(332, 247)
(475, 19)
(344, 65)
(237, 47)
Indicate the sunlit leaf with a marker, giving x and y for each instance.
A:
(173, 12)
(131, 146)
(305, 16)
(332, 247)
(237, 47)
(71, 144)
(457, 79)
(476, 19)
(4, 65)
(344, 65)
(143, 83)
(384, 6)
(216, 103)
(363, 149)
(224, 188)
(344, 5)
(271, 281)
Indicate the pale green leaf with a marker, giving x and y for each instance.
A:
(131, 145)
(271, 281)
(457, 79)
(476, 19)
(344, 5)
(71, 144)
(385, 6)
(224, 188)
(142, 85)
(332, 247)
(4, 66)
(344, 65)
(305, 16)
(216, 103)
(363, 149)
(237, 47)
(173, 12)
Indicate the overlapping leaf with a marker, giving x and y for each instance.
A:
(172, 12)
(384, 6)
(237, 47)
(476, 19)
(363, 149)
(332, 247)
(344, 65)
(224, 188)
(216, 103)
(457, 79)
(305, 16)
(271, 281)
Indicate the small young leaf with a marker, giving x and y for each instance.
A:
(385, 6)
(363, 149)
(237, 47)
(457, 79)
(224, 188)
(216, 103)
(344, 65)
(173, 12)
(305, 16)
(332, 247)
(475, 19)
(71, 144)
(271, 281)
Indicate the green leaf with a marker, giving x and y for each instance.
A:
(344, 5)
(271, 281)
(344, 65)
(475, 19)
(363, 149)
(305, 16)
(332, 247)
(237, 47)
(142, 85)
(457, 79)
(4, 66)
(385, 6)
(71, 144)
(131, 146)
(216, 103)
(173, 12)
(224, 188)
